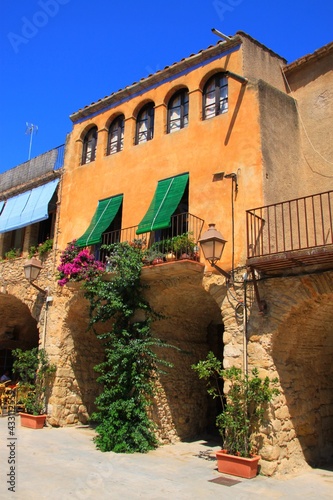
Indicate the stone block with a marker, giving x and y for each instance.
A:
(65, 373)
(267, 468)
(282, 413)
(71, 419)
(270, 453)
(276, 425)
(232, 351)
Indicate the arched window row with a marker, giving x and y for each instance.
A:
(214, 103)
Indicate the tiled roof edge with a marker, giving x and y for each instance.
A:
(316, 55)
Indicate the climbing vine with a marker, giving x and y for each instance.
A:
(130, 364)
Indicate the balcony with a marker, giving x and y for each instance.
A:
(291, 235)
(177, 242)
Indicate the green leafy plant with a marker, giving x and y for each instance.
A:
(243, 408)
(131, 365)
(32, 251)
(182, 244)
(152, 255)
(35, 372)
(13, 253)
(42, 249)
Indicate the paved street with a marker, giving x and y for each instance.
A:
(64, 464)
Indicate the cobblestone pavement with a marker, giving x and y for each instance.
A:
(63, 464)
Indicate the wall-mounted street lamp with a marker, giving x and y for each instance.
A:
(32, 268)
(212, 245)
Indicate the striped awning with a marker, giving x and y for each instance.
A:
(167, 197)
(27, 208)
(105, 213)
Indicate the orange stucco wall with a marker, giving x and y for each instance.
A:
(229, 142)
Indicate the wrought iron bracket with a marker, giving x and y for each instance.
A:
(42, 290)
(262, 304)
(222, 271)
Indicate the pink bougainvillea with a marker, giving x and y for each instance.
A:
(77, 265)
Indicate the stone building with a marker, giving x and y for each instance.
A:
(28, 206)
(206, 140)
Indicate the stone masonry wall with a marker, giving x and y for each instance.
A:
(292, 341)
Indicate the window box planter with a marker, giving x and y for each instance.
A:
(237, 466)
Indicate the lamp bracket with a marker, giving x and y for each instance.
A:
(262, 304)
(42, 290)
(222, 271)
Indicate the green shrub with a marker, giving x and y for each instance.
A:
(243, 407)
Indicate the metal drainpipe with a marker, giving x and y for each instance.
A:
(45, 321)
(245, 368)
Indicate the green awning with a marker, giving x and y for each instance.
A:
(167, 196)
(105, 213)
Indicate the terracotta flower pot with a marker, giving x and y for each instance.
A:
(158, 260)
(237, 466)
(170, 257)
(32, 421)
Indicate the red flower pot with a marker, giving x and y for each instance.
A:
(32, 421)
(237, 466)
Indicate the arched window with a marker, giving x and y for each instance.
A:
(178, 111)
(116, 135)
(215, 96)
(89, 146)
(145, 124)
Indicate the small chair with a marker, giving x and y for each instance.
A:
(21, 393)
(3, 398)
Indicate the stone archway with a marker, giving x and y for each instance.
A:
(192, 323)
(303, 352)
(18, 329)
(294, 342)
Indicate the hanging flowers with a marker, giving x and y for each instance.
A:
(78, 265)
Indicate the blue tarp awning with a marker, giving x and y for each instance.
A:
(27, 208)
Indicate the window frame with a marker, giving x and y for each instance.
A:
(183, 107)
(149, 109)
(221, 102)
(117, 127)
(89, 139)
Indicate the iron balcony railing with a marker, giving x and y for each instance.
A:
(297, 224)
(157, 243)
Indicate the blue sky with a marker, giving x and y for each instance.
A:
(58, 56)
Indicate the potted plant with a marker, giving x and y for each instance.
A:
(153, 256)
(34, 371)
(183, 246)
(243, 412)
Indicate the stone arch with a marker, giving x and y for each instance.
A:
(293, 342)
(18, 328)
(302, 353)
(192, 323)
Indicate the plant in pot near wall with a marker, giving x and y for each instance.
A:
(34, 371)
(183, 246)
(243, 413)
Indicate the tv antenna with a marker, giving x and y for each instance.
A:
(30, 130)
